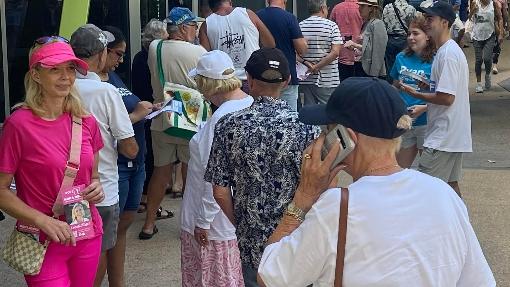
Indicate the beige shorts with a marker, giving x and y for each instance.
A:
(168, 149)
(446, 166)
(414, 137)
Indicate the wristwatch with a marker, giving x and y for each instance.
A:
(295, 212)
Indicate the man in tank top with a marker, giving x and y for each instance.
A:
(235, 31)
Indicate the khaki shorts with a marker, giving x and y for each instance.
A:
(168, 149)
(446, 166)
(414, 137)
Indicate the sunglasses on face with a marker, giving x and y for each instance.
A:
(50, 39)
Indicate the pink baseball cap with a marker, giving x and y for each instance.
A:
(52, 54)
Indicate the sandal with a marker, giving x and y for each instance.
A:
(176, 194)
(146, 236)
(142, 207)
(160, 214)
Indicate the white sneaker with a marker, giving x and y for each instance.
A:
(479, 88)
(494, 69)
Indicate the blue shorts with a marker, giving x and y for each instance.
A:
(131, 181)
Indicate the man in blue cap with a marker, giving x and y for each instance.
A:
(178, 56)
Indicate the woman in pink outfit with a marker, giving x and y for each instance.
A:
(35, 148)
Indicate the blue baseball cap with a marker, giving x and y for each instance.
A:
(181, 15)
(367, 105)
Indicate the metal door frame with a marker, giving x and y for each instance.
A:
(5, 63)
(135, 28)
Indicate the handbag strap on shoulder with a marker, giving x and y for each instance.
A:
(73, 162)
(159, 61)
(397, 13)
(342, 237)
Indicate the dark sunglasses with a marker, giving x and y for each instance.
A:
(50, 39)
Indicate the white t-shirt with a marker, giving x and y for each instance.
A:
(321, 34)
(103, 101)
(406, 229)
(449, 127)
(199, 207)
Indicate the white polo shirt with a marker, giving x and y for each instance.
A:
(405, 229)
(199, 208)
(103, 101)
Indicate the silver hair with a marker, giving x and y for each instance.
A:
(314, 6)
(154, 30)
(172, 29)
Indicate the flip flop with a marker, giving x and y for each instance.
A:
(142, 207)
(146, 236)
(176, 194)
(160, 215)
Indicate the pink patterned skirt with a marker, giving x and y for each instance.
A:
(217, 265)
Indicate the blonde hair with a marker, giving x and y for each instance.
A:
(208, 86)
(34, 96)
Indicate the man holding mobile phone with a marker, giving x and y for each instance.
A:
(448, 134)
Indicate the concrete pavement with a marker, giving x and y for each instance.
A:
(485, 188)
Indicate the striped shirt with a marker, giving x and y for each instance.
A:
(321, 34)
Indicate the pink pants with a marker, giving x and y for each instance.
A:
(65, 266)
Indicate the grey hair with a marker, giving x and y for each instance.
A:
(154, 30)
(314, 6)
(172, 29)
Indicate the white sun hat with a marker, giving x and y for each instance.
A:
(215, 65)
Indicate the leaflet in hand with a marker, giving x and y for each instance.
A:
(169, 106)
(415, 76)
(302, 71)
(77, 212)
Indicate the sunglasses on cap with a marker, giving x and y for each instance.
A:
(50, 39)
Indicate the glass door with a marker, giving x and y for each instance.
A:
(25, 22)
(4, 103)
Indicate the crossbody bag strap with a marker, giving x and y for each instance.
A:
(73, 162)
(397, 12)
(159, 61)
(342, 237)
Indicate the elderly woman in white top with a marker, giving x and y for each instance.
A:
(404, 228)
(209, 252)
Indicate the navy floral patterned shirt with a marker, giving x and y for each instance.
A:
(257, 151)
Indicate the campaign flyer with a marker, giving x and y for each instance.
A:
(77, 213)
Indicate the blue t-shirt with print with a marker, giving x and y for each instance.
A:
(285, 28)
(414, 64)
(130, 101)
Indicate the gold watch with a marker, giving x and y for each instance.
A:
(295, 212)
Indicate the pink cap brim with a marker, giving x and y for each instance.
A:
(53, 61)
(51, 55)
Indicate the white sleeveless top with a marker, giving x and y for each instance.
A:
(483, 22)
(234, 34)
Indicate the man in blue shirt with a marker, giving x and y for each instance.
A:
(289, 39)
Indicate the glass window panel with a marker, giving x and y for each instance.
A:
(113, 13)
(2, 92)
(253, 5)
(25, 22)
(302, 8)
